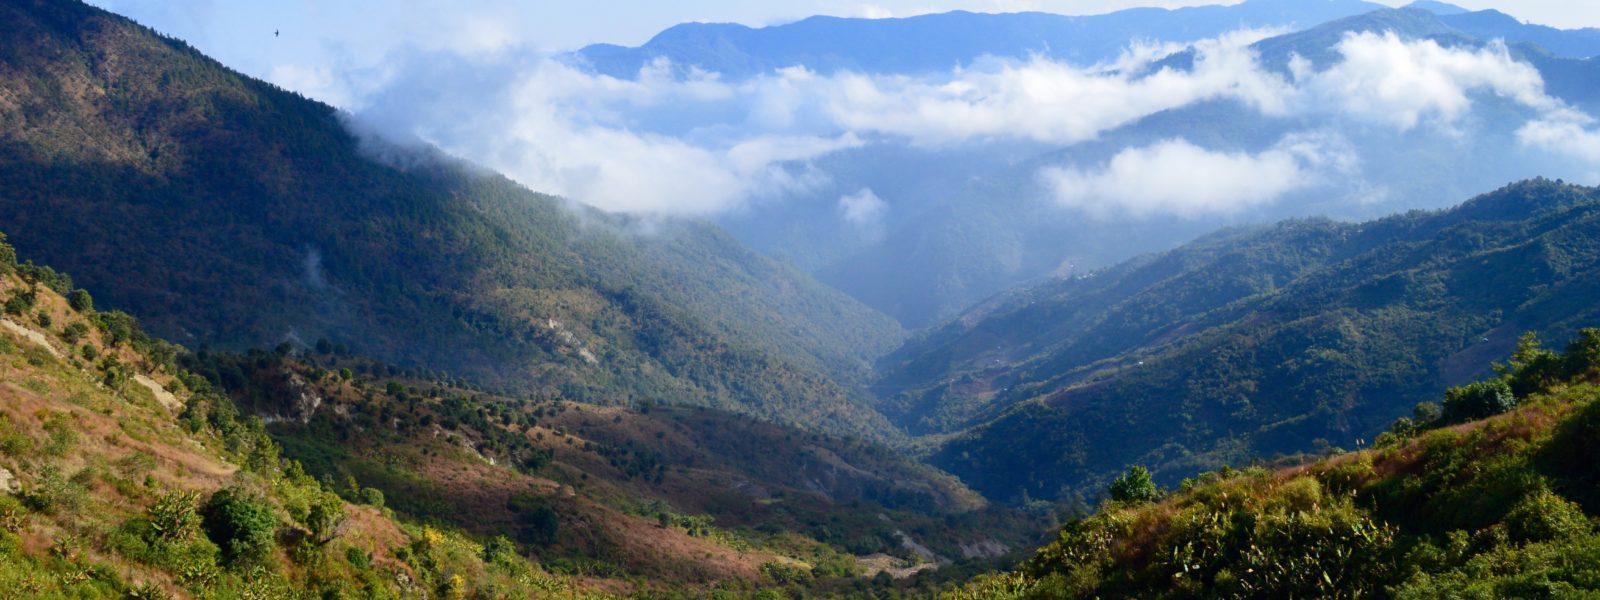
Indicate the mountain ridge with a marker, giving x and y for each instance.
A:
(291, 231)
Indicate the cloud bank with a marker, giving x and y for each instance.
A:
(1176, 177)
(702, 145)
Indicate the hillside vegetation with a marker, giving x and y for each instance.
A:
(1439, 508)
(1248, 343)
(225, 212)
(124, 476)
(287, 472)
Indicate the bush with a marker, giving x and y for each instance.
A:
(173, 517)
(1545, 516)
(325, 517)
(1478, 401)
(241, 524)
(81, 301)
(119, 327)
(1583, 354)
(74, 332)
(1135, 486)
(21, 301)
(372, 497)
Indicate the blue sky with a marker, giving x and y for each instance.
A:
(238, 32)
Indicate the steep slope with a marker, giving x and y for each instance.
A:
(941, 42)
(1246, 344)
(1502, 508)
(110, 439)
(122, 477)
(594, 487)
(226, 212)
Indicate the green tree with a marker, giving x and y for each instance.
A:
(241, 523)
(1583, 354)
(81, 301)
(1134, 486)
(325, 517)
(1479, 400)
(1532, 366)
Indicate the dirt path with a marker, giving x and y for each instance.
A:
(30, 335)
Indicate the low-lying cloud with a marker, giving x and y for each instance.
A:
(1384, 79)
(1176, 177)
(701, 145)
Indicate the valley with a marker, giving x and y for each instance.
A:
(1212, 301)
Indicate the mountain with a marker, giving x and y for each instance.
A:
(341, 475)
(225, 212)
(940, 42)
(119, 479)
(1503, 507)
(965, 220)
(1493, 24)
(1438, 8)
(1247, 343)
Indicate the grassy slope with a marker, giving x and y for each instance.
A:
(227, 212)
(101, 424)
(1504, 507)
(96, 452)
(1245, 344)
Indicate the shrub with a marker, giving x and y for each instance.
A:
(21, 301)
(241, 524)
(74, 332)
(1134, 486)
(1478, 401)
(325, 517)
(81, 301)
(173, 517)
(1583, 354)
(372, 497)
(1545, 516)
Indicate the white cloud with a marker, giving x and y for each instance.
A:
(1384, 79)
(695, 143)
(1046, 101)
(1177, 177)
(1564, 132)
(863, 209)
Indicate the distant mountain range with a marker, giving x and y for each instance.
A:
(940, 42)
(965, 222)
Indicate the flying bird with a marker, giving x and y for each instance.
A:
(274, 33)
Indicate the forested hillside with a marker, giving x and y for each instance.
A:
(132, 467)
(1249, 343)
(225, 212)
(1444, 506)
